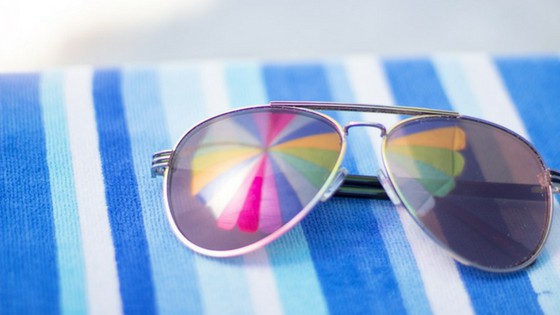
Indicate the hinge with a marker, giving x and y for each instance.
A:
(160, 162)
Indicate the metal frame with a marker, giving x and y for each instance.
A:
(365, 108)
(159, 162)
(354, 185)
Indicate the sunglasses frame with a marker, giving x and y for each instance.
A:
(163, 159)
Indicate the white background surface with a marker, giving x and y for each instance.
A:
(39, 34)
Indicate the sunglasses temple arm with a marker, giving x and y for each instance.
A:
(361, 186)
(555, 181)
(160, 162)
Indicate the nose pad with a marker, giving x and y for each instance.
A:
(338, 179)
(353, 124)
(388, 188)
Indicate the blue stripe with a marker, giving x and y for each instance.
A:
(296, 83)
(414, 82)
(121, 192)
(397, 246)
(534, 86)
(73, 298)
(28, 258)
(348, 253)
(174, 272)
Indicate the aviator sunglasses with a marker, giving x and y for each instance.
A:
(239, 180)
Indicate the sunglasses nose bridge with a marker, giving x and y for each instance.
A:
(353, 124)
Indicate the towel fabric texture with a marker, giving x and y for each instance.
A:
(83, 227)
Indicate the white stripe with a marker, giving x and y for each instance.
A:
(497, 106)
(455, 84)
(489, 92)
(262, 284)
(442, 281)
(368, 81)
(214, 86)
(101, 272)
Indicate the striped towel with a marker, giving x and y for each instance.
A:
(82, 225)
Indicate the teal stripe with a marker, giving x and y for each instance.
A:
(221, 281)
(340, 86)
(454, 81)
(70, 258)
(182, 99)
(245, 86)
(224, 286)
(174, 273)
(296, 280)
(400, 254)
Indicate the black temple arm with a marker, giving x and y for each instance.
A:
(555, 180)
(361, 186)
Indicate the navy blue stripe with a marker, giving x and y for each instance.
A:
(28, 266)
(121, 192)
(347, 249)
(534, 86)
(415, 83)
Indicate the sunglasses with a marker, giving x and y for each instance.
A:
(239, 180)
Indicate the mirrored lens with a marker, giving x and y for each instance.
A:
(477, 188)
(237, 178)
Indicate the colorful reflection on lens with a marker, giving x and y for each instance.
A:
(478, 189)
(239, 177)
(434, 163)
